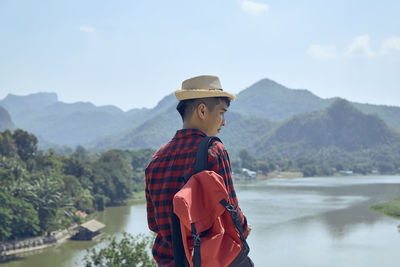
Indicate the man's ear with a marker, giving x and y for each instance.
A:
(201, 110)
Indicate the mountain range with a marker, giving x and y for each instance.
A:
(340, 126)
(5, 120)
(264, 117)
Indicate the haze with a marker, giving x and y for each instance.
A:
(132, 53)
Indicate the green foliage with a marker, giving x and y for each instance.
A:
(81, 153)
(247, 161)
(139, 159)
(263, 167)
(18, 218)
(308, 170)
(338, 138)
(128, 252)
(26, 144)
(41, 191)
(391, 208)
(45, 195)
(113, 176)
(8, 147)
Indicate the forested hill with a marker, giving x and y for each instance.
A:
(5, 120)
(340, 125)
(41, 191)
(239, 132)
(268, 99)
(256, 111)
(71, 124)
(340, 133)
(61, 123)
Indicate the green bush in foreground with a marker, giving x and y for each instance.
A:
(391, 208)
(127, 252)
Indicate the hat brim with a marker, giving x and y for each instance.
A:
(200, 93)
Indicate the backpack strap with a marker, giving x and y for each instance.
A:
(201, 163)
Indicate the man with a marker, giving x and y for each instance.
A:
(202, 107)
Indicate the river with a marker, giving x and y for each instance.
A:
(296, 222)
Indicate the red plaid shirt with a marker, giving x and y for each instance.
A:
(164, 178)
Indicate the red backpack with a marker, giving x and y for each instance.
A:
(206, 229)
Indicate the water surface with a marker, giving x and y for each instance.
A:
(296, 222)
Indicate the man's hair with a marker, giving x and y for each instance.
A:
(187, 107)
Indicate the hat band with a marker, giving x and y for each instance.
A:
(204, 89)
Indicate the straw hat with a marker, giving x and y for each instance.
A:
(201, 87)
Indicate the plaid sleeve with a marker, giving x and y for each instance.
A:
(150, 211)
(218, 160)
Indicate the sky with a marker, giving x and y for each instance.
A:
(133, 53)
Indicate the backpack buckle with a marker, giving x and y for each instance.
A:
(196, 236)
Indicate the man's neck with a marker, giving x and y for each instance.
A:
(190, 125)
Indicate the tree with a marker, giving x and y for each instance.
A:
(75, 166)
(8, 147)
(45, 195)
(386, 167)
(113, 176)
(263, 167)
(26, 144)
(236, 166)
(247, 160)
(141, 158)
(129, 252)
(17, 218)
(308, 170)
(80, 152)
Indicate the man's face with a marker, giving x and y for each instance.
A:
(215, 119)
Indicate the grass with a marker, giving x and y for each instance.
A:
(391, 208)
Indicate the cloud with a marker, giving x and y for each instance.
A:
(253, 8)
(322, 51)
(86, 28)
(390, 45)
(360, 46)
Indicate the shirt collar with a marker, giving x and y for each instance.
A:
(184, 133)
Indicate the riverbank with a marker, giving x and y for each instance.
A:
(391, 208)
(11, 250)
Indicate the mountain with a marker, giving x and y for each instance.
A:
(5, 120)
(146, 128)
(340, 127)
(23, 104)
(240, 130)
(252, 117)
(390, 114)
(63, 123)
(152, 133)
(268, 99)
(80, 123)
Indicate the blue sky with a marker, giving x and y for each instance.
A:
(133, 53)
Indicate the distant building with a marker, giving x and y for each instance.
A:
(88, 230)
(81, 214)
(249, 173)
